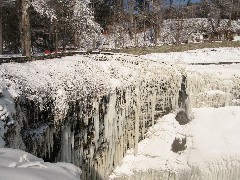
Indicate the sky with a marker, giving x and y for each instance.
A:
(183, 1)
(192, 0)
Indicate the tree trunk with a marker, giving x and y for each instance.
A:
(64, 38)
(76, 40)
(25, 29)
(144, 30)
(135, 33)
(131, 10)
(56, 35)
(230, 15)
(157, 12)
(144, 22)
(1, 29)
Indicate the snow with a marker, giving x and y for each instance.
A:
(172, 30)
(219, 70)
(6, 108)
(206, 55)
(212, 136)
(16, 164)
(72, 77)
(136, 89)
(80, 18)
(122, 85)
(10, 55)
(212, 142)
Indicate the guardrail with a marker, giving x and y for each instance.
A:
(216, 63)
(23, 59)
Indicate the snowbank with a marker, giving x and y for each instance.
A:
(16, 164)
(212, 148)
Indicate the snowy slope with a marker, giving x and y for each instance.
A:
(184, 30)
(212, 148)
(19, 165)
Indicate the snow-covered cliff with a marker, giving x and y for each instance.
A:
(89, 110)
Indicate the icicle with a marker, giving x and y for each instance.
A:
(137, 112)
(65, 144)
(153, 103)
(96, 124)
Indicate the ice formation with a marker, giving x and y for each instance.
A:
(212, 146)
(89, 110)
(6, 109)
(92, 109)
(211, 89)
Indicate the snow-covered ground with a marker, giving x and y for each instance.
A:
(19, 165)
(212, 148)
(207, 55)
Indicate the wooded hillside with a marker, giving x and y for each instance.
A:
(32, 26)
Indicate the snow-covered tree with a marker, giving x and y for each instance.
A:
(73, 21)
(1, 29)
(88, 31)
(43, 8)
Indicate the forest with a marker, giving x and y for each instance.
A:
(33, 26)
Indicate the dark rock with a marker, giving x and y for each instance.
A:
(183, 94)
(179, 145)
(182, 117)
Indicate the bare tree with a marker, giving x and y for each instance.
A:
(25, 28)
(1, 28)
(157, 7)
(157, 16)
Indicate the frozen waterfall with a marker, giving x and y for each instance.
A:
(89, 110)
